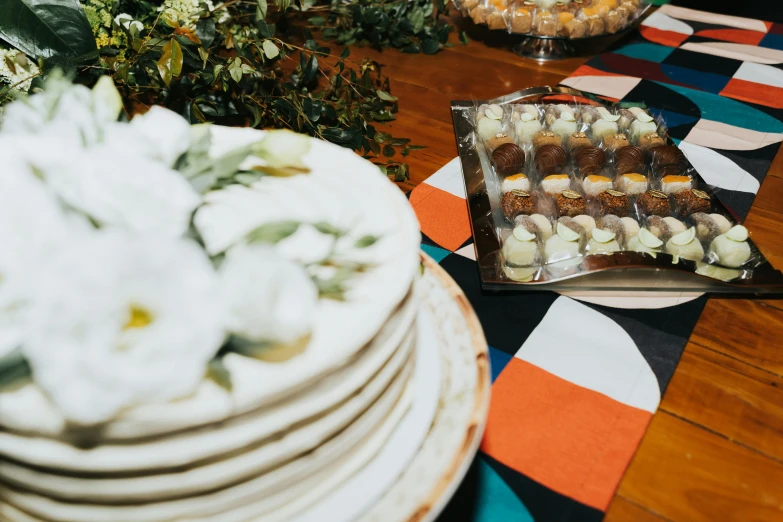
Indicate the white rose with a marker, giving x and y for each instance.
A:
(32, 228)
(122, 320)
(167, 132)
(268, 297)
(283, 148)
(74, 109)
(121, 188)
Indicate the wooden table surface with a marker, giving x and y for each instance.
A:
(714, 449)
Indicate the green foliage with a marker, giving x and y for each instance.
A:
(45, 28)
(412, 26)
(247, 62)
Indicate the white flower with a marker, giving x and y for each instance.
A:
(283, 148)
(32, 227)
(185, 11)
(122, 189)
(121, 320)
(268, 297)
(168, 133)
(72, 109)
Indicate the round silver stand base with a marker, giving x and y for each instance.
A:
(544, 49)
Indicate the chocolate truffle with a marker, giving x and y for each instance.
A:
(654, 203)
(629, 159)
(648, 141)
(508, 158)
(577, 140)
(546, 138)
(613, 202)
(518, 202)
(590, 160)
(666, 155)
(615, 141)
(692, 200)
(570, 203)
(549, 159)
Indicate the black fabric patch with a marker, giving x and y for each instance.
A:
(703, 62)
(507, 318)
(660, 334)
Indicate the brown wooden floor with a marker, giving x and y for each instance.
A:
(714, 450)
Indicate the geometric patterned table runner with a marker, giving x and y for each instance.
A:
(575, 382)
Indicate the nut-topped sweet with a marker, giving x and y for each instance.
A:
(614, 202)
(614, 142)
(577, 140)
(689, 201)
(516, 202)
(654, 203)
(570, 203)
(648, 141)
(546, 138)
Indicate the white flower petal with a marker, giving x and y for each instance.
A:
(268, 298)
(166, 131)
(81, 349)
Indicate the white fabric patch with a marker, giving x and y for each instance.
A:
(589, 349)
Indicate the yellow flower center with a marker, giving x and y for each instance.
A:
(138, 318)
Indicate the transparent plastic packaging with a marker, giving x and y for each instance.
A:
(569, 192)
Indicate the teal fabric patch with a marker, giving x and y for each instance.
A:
(435, 253)
(659, 2)
(495, 500)
(646, 51)
(498, 359)
(728, 111)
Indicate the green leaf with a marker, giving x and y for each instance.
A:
(235, 69)
(170, 63)
(329, 229)
(46, 28)
(366, 241)
(204, 56)
(272, 232)
(430, 46)
(317, 20)
(382, 137)
(388, 151)
(217, 372)
(309, 70)
(270, 49)
(463, 38)
(261, 10)
(13, 368)
(385, 96)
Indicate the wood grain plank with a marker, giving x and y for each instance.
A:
(623, 510)
(727, 396)
(743, 329)
(684, 472)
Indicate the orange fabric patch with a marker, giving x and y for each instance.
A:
(741, 36)
(443, 216)
(586, 70)
(570, 439)
(754, 92)
(660, 36)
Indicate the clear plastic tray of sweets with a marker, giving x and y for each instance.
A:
(568, 192)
